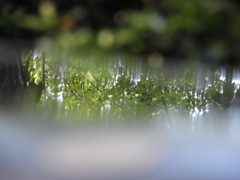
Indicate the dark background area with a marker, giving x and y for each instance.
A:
(204, 30)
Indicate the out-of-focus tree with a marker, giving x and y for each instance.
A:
(205, 30)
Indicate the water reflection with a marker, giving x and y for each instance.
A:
(128, 87)
(188, 111)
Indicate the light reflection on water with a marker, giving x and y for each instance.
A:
(199, 143)
(199, 76)
(202, 78)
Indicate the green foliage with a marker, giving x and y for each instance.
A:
(9, 17)
(118, 89)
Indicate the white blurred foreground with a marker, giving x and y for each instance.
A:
(54, 152)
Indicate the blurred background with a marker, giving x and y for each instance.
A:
(167, 68)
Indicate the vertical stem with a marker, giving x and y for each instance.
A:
(43, 79)
(229, 74)
(165, 105)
